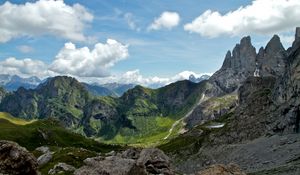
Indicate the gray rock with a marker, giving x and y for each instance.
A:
(15, 159)
(112, 153)
(131, 153)
(130, 162)
(45, 158)
(109, 166)
(61, 168)
(43, 149)
(154, 161)
(220, 169)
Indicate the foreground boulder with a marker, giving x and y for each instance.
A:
(220, 169)
(130, 162)
(154, 161)
(15, 159)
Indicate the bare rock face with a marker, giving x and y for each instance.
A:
(130, 162)
(15, 159)
(237, 66)
(272, 60)
(220, 169)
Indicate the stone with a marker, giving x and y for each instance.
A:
(130, 162)
(131, 153)
(45, 158)
(154, 161)
(112, 165)
(61, 168)
(15, 159)
(43, 149)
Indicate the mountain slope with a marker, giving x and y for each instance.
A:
(99, 90)
(60, 97)
(139, 114)
(47, 132)
(261, 134)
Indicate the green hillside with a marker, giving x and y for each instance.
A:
(46, 132)
(140, 115)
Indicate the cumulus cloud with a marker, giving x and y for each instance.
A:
(25, 48)
(260, 17)
(25, 67)
(78, 62)
(84, 62)
(43, 17)
(166, 20)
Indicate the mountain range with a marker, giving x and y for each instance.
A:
(246, 113)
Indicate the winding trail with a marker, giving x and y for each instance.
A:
(186, 115)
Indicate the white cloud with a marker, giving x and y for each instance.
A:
(84, 62)
(25, 48)
(287, 40)
(131, 22)
(260, 17)
(26, 67)
(135, 77)
(78, 62)
(166, 20)
(43, 17)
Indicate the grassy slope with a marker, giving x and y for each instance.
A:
(17, 121)
(48, 132)
(153, 114)
(193, 140)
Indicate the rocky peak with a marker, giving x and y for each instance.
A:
(246, 41)
(272, 59)
(274, 45)
(297, 36)
(227, 60)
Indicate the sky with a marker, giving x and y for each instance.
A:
(134, 41)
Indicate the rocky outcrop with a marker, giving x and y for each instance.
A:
(16, 160)
(130, 162)
(220, 169)
(154, 161)
(237, 66)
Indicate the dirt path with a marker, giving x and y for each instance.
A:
(186, 115)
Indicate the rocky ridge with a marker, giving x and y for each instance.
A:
(261, 133)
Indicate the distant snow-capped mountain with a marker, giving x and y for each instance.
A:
(13, 82)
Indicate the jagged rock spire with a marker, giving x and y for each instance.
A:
(274, 45)
(297, 36)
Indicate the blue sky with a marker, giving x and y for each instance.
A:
(164, 52)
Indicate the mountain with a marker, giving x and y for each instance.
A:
(139, 113)
(260, 134)
(110, 89)
(13, 82)
(60, 97)
(238, 65)
(192, 78)
(118, 89)
(98, 90)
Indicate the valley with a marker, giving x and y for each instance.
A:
(233, 117)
